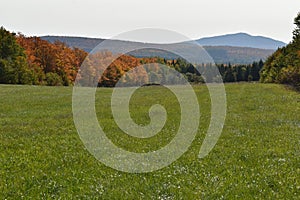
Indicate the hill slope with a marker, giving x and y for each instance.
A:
(220, 54)
(86, 44)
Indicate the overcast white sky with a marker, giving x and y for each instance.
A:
(107, 18)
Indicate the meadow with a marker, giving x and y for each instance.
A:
(256, 157)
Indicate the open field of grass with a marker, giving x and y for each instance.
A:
(256, 157)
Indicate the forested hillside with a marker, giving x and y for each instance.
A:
(284, 65)
(219, 53)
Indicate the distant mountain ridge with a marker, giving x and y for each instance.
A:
(241, 40)
(223, 49)
(84, 43)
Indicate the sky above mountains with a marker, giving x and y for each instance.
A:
(192, 18)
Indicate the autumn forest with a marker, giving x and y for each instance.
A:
(31, 60)
(34, 61)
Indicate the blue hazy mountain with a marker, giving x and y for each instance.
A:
(241, 40)
(237, 48)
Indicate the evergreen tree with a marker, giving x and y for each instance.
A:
(13, 65)
(296, 32)
(229, 76)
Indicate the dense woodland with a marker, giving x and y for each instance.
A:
(284, 65)
(31, 60)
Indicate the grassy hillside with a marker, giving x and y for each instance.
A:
(257, 155)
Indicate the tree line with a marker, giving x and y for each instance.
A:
(31, 60)
(284, 65)
(228, 72)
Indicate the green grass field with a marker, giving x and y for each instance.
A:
(256, 157)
